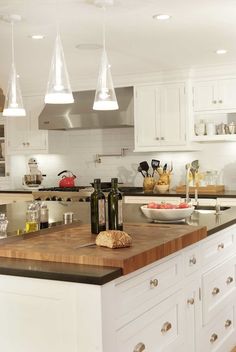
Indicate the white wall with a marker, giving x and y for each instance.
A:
(82, 146)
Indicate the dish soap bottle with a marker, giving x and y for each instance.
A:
(32, 217)
(98, 208)
(115, 218)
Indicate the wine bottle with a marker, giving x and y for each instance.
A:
(43, 216)
(115, 217)
(98, 208)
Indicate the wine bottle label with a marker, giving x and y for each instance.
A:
(120, 212)
(101, 212)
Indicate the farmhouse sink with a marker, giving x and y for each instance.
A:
(204, 209)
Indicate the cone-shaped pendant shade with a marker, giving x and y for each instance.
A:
(105, 96)
(13, 103)
(58, 88)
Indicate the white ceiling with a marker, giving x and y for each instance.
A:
(135, 42)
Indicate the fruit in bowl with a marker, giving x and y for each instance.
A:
(167, 211)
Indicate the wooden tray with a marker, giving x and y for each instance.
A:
(150, 243)
(202, 190)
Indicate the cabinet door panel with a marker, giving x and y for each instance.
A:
(146, 108)
(17, 133)
(173, 114)
(205, 96)
(227, 88)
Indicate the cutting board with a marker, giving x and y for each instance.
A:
(211, 189)
(150, 243)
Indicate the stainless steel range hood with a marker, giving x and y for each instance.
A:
(80, 114)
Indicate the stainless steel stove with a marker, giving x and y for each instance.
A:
(68, 194)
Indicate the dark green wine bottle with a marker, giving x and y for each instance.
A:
(115, 217)
(98, 208)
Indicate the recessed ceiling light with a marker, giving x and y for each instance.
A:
(37, 36)
(161, 17)
(88, 46)
(221, 51)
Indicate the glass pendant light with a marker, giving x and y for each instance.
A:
(58, 88)
(14, 102)
(105, 96)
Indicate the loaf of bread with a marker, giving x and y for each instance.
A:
(113, 239)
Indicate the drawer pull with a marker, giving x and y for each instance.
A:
(167, 326)
(190, 301)
(213, 338)
(154, 283)
(215, 291)
(192, 261)
(140, 347)
(228, 323)
(221, 246)
(229, 280)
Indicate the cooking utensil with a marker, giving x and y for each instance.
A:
(140, 170)
(155, 164)
(165, 168)
(145, 167)
(68, 180)
(194, 169)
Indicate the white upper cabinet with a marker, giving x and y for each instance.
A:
(24, 136)
(160, 117)
(23, 133)
(214, 95)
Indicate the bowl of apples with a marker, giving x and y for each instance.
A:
(167, 211)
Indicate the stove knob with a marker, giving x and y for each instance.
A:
(54, 198)
(81, 200)
(87, 199)
(59, 199)
(48, 198)
(37, 198)
(68, 199)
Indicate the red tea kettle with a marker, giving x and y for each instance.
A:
(67, 180)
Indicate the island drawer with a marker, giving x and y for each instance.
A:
(219, 247)
(215, 335)
(191, 259)
(142, 291)
(218, 289)
(159, 329)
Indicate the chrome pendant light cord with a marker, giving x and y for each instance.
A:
(12, 44)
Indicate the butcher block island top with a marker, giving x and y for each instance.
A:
(151, 242)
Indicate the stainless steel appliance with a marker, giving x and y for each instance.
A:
(68, 194)
(80, 114)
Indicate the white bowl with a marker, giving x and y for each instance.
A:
(166, 214)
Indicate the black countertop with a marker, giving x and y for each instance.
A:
(88, 273)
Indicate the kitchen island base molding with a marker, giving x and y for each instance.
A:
(184, 302)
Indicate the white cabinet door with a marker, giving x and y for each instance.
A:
(160, 116)
(205, 96)
(147, 111)
(226, 89)
(172, 118)
(23, 133)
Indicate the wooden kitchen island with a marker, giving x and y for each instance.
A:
(173, 290)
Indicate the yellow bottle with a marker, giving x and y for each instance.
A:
(32, 218)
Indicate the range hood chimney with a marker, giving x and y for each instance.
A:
(80, 114)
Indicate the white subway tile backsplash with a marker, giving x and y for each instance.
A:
(82, 146)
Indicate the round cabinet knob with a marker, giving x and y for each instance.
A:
(162, 138)
(215, 291)
(192, 261)
(229, 280)
(153, 283)
(190, 301)
(221, 246)
(166, 327)
(23, 143)
(228, 323)
(27, 144)
(140, 347)
(214, 101)
(220, 101)
(213, 338)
